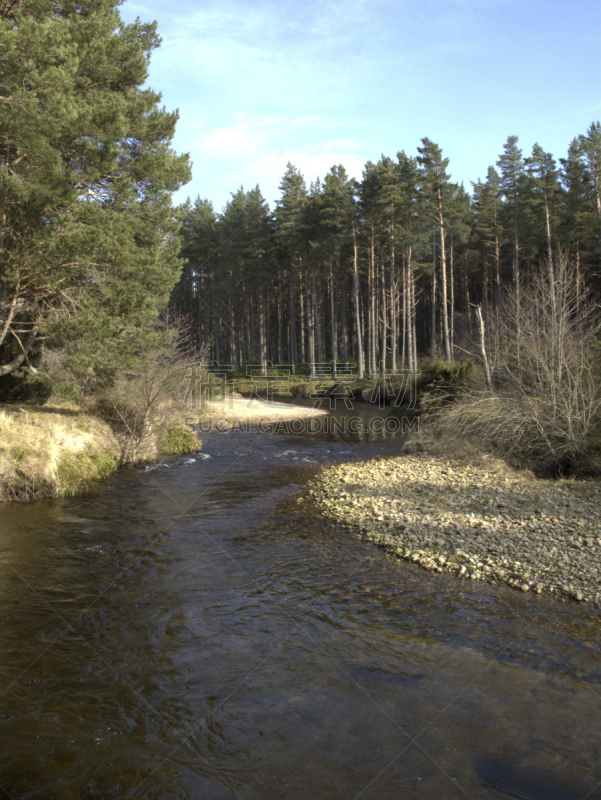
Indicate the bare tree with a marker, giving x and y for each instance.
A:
(546, 373)
(145, 406)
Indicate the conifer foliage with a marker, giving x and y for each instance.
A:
(399, 265)
(89, 247)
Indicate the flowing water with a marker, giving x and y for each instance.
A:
(193, 631)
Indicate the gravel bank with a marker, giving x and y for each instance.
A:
(450, 516)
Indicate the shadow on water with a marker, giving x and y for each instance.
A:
(195, 632)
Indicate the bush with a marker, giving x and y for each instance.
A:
(441, 383)
(177, 440)
(25, 386)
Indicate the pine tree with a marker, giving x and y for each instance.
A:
(545, 187)
(291, 238)
(88, 237)
(590, 147)
(486, 205)
(409, 235)
(511, 165)
(435, 191)
(190, 295)
(371, 212)
(389, 207)
(340, 215)
(258, 267)
(578, 225)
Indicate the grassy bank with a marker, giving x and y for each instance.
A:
(61, 451)
(479, 522)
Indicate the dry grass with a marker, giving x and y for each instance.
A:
(52, 452)
(451, 445)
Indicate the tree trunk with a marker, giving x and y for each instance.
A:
(451, 300)
(404, 315)
(383, 310)
(280, 322)
(433, 310)
(317, 320)
(293, 345)
(413, 315)
(483, 348)
(360, 365)
(26, 345)
(344, 324)
(372, 320)
(466, 293)
(516, 252)
(310, 329)
(393, 300)
(550, 258)
(233, 354)
(498, 269)
(301, 319)
(598, 202)
(443, 273)
(333, 321)
(262, 335)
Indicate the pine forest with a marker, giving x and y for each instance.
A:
(387, 270)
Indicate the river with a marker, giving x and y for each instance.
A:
(193, 631)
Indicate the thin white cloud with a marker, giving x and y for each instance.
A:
(263, 82)
(253, 135)
(273, 167)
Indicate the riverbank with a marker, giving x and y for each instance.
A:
(241, 411)
(59, 450)
(477, 522)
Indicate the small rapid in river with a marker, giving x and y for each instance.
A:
(194, 631)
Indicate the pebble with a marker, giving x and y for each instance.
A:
(477, 522)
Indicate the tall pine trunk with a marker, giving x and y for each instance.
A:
(303, 300)
(360, 362)
(443, 274)
(292, 333)
(433, 310)
(310, 328)
(393, 301)
(550, 257)
(344, 324)
(333, 320)
(262, 335)
(383, 320)
(372, 320)
(317, 320)
(412, 315)
(404, 316)
(451, 299)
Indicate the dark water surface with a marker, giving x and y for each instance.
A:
(194, 632)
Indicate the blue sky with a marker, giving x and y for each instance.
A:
(262, 83)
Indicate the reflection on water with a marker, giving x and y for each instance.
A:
(360, 422)
(194, 632)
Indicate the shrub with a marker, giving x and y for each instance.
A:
(25, 386)
(177, 440)
(441, 383)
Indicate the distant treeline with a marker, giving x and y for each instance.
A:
(388, 268)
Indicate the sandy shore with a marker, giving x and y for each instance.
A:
(493, 525)
(250, 411)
